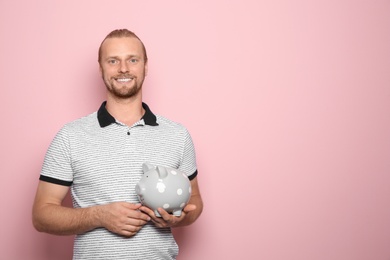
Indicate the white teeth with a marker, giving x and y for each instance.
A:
(123, 80)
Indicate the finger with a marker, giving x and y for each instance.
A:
(169, 219)
(129, 231)
(138, 214)
(147, 210)
(133, 225)
(143, 216)
(151, 214)
(136, 222)
(165, 215)
(132, 206)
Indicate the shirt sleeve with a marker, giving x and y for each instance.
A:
(57, 167)
(188, 160)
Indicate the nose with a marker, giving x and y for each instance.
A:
(123, 67)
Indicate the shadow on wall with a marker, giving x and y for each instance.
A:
(58, 247)
(180, 235)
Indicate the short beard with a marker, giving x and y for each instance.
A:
(128, 93)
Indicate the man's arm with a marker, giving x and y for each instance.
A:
(190, 213)
(51, 217)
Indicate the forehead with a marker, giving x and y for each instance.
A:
(123, 46)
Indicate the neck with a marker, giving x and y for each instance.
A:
(127, 111)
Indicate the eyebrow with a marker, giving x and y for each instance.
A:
(127, 57)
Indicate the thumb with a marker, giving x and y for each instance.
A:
(189, 207)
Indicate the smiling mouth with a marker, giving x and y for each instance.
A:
(124, 80)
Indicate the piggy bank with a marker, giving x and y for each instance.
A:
(163, 187)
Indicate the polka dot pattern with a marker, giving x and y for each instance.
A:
(164, 187)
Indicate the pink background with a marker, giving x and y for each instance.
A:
(288, 103)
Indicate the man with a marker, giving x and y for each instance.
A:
(99, 158)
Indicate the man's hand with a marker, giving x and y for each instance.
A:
(166, 219)
(188, 216)
(122, 218)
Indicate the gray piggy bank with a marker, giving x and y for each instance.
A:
(163, 187)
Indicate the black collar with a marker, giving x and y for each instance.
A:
(105, 119)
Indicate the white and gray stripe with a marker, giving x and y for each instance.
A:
(101, 160)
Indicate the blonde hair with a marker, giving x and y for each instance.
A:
(119, 33)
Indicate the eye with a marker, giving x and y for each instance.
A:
(112, 61)
(133, 60)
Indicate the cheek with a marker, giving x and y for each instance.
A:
(107, 73)
(140, 71)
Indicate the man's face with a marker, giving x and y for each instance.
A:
(123, 66)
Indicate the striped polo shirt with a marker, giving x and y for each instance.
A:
(101, 160)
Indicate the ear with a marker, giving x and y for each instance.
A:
(146, 69)
(100, 68)
(147, 167)
(162, 172)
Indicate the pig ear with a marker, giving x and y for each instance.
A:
(162, 172)
(147, 167)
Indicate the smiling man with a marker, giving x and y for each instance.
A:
(99, 159)
(123, 69)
